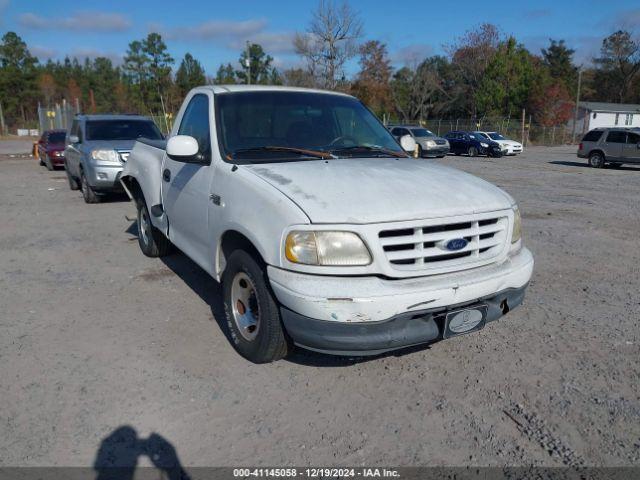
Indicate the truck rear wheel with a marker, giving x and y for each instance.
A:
(151, 240)
(251, 310)
(596, 160)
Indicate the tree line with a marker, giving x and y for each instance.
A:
(482, 74)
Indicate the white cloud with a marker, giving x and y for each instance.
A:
(214, 30)
(92, 53)
(43, 53)
(81, 21)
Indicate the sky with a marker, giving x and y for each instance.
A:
(215, 31)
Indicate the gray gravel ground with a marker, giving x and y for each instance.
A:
(95, 336)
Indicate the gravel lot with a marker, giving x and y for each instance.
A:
(96, 337)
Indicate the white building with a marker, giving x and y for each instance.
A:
(600, 114)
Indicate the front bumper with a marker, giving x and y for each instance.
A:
(104, 178)
(401, 331)
(333, 313)
(436, 151)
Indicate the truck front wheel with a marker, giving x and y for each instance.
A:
(151, 240)
(251, 310)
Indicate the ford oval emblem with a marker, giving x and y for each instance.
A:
(456, 244)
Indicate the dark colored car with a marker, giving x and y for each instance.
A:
(472, 144)
(51, 148)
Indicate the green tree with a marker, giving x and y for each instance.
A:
(558, 59)
(147, 66)
(225, 75)
(506, 83)
(259, 65)
(190, 74)
(18, 80)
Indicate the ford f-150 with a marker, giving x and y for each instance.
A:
(323, 232)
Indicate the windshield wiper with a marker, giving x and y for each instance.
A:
(274, 148)
(367, 148)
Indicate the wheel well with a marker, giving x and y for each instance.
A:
(597, 151)
(134, 187)
(233, 240)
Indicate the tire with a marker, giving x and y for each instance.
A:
(596, 160)
(73, 183)
(420, 153)
(40, 162)
(257, 334)
(88, 193)
(48, 164)
(472, 152)
(152, 241)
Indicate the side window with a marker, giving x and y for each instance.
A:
(633, 138)
(616, 137)
(195, 123)
(592, 136)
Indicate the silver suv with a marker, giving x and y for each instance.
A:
(429, 144)
(613, 146)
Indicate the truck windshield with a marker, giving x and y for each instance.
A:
(56, 137)
(422, 132)
(496, 136)
(267, 126)
(122, 130)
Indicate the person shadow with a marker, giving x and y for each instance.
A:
(117, 457)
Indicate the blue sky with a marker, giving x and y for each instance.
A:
(214, 31)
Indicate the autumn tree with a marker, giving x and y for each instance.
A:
(372, 82)
(618, 64)
(552, 104)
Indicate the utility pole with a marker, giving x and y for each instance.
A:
(522, 127)
(2, 125)
(575, 115)
(247, 63)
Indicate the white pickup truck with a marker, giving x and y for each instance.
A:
(322, 230)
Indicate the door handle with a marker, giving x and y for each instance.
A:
(166, 175)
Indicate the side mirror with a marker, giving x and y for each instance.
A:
(73, 139)
(408, 144)
(183, 148)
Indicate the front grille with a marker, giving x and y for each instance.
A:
(441, 142)
(424, 247)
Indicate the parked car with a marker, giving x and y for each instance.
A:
(509, 147)
(50, 147)
(473, 144)
(429, 144)
(613, 146)
(323, 232)
(97, 147)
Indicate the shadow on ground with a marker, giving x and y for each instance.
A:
(210, 292)
(586, 165)
(119, 452)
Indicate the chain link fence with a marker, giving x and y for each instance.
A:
(528, 134)
(56, 117)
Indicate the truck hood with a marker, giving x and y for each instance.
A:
(372, 190)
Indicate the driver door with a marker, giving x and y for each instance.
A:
(186, 186)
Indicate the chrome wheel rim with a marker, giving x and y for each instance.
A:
(595, 160)
(144, 226)
(244, 306)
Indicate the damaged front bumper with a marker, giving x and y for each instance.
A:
(370, 315)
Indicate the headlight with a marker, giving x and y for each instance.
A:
(326, 248)
(430, 143)
(57, 154)
(485, 145)
(105, 156)
(517, 225)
